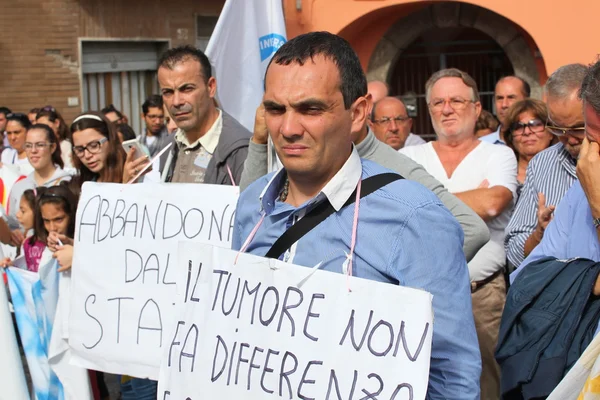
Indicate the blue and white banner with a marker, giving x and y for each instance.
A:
(34, 299)
(40, 302)
(245, 38)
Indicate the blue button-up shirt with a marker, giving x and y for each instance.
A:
(571, 233)
(405, 237)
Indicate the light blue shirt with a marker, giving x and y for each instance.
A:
(494, 137)
(570, 234)
(405, 237)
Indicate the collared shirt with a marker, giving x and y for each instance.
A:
(551, 172)
(405, 236)
(193, 158)
(570, 234)
(413, 140)
(494, 137)
(209, 140)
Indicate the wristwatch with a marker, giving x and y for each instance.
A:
(596, 223)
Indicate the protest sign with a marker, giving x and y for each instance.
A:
(123, 281)
(260, 328)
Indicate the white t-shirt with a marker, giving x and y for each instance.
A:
(11, 157)
(495, 163)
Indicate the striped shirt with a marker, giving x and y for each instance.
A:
(551, 172)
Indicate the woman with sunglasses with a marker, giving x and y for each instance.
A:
(16, 129)
(526, 133)
(43, 153)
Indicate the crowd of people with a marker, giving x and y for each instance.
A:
(474, 217)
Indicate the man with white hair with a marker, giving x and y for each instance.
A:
(484, 176)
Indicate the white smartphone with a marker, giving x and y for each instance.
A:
(140, 149)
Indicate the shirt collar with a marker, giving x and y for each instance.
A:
(568, 162)
(208, 141)
(337, 190)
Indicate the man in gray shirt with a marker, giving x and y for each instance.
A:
(368, 147)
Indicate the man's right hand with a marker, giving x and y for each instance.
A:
(261, 134)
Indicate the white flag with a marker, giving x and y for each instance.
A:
(245, 38)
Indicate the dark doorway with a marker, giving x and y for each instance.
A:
(464, 48)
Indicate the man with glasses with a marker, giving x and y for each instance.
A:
(575, 229)
(483, 176)
(551, 172)
(391, 124)
(155, 137)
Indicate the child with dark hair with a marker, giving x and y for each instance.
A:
(33, 247)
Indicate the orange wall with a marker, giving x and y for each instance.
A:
(565, 32)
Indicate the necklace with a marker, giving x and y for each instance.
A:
(284, 192)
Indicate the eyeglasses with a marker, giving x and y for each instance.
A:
(457, 104)
(388, 120)
(558, 131)
(38, 146)
(534, 125)
(153, 116)
(92, 147)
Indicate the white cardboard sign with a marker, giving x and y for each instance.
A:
(258, 329)
(124, 267)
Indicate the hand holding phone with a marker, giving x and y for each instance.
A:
(140, 149)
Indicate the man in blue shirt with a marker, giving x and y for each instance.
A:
(314, 101)
(575, 229)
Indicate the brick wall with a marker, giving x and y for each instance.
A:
(39, 42)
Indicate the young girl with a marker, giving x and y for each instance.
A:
(55, 221)
(33, 247)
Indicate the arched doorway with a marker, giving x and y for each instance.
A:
(452, 34)
(467, 49)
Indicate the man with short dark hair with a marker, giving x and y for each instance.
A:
(210, 145)
(115, 116)
(155, 136)
(509, 90)
(552, 171)
(315, 101)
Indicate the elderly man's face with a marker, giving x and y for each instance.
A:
(567, 113)
(305, 115)
(592, 123)
(391, 123)
(452, 109)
